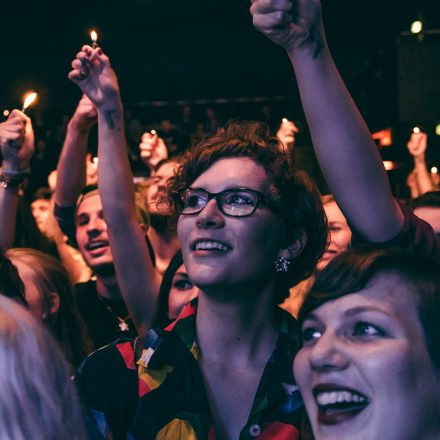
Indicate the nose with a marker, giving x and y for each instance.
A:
(210, 217)
(327, 355)
(95, 226)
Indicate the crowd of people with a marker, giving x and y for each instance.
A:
(223, 297)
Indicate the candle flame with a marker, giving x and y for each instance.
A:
(94, 36)
(416, 130)
(153, 132)
(29, 99)
(284, 120)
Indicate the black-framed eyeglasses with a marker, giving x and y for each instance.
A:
(234, 202)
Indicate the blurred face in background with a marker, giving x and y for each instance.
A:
(339, 234)
(182, 291)
(156, 192)
(40, 210)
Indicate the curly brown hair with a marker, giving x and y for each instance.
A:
(300, 200)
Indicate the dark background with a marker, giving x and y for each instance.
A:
(175, 51)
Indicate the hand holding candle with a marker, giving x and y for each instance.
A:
(152, 149)
(100, 83)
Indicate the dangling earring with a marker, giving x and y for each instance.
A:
(282, 264)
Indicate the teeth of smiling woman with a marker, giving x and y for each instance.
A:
(328, 398)
(207, 245)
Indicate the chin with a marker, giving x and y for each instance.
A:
(103, 269)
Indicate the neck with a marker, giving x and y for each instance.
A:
(246, 330)
(108, 287)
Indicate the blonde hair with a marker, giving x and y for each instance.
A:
(37, 398)
(66, 324)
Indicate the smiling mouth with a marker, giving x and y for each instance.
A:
(210, 245)
(337, 405)
(95, 245)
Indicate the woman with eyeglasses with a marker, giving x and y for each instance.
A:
(250, 227)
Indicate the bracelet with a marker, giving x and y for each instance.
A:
(11, 181)
(12, 174)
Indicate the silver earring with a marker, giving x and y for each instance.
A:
(282, 264)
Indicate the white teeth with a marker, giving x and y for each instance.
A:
(206, 245)
(328, 398)
(96, 245)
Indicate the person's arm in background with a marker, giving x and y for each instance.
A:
(137, 278)
(17, 148)
(417, 148)
(347, 155)
(152, 150)
(71, 169)
(286, 134)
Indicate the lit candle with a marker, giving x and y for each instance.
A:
(29, 98)
(284, 120)
(416, 130)
(94, 37)
(153, 132)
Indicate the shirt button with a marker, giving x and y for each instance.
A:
(255, 430)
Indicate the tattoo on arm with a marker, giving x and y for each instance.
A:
(108, 114)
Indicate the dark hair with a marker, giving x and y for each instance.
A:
(42, 193)
(430, 198)
(27, 233)
(351, 271)
(299, 198)
(10, 281)
(162, 313)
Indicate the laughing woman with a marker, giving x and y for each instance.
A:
(370, 363)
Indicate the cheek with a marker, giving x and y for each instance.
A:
(301, 369)
(341, 238)
(390, 369)
(178, 299)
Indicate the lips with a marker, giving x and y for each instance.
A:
(96, 244)
(210, 245)
(337, 404)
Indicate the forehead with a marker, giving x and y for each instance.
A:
(431, 215)
(386, 292)
(333, 213)
(89, 205)
(166, 170)
(233, 173)
(40, 202)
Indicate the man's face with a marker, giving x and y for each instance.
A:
(91, 233)
(156, 191)
(40, 211)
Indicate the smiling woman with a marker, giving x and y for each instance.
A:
(370, 363)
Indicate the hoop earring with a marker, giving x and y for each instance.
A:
(282, 264)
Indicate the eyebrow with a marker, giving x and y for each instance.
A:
(182, 274)
(363, 309)
(351, 312)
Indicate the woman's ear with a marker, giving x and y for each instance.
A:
(54, 303)
(295, 248)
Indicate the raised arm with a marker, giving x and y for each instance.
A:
(137, 278)
(347, 155)
(417, 148)
(71, 170)
(17, 148)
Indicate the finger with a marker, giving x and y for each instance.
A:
(268, 6)
(101, 57)
(88, 50)
(76, 63)
(272, 20)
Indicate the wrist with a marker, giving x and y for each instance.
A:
(79, 126)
